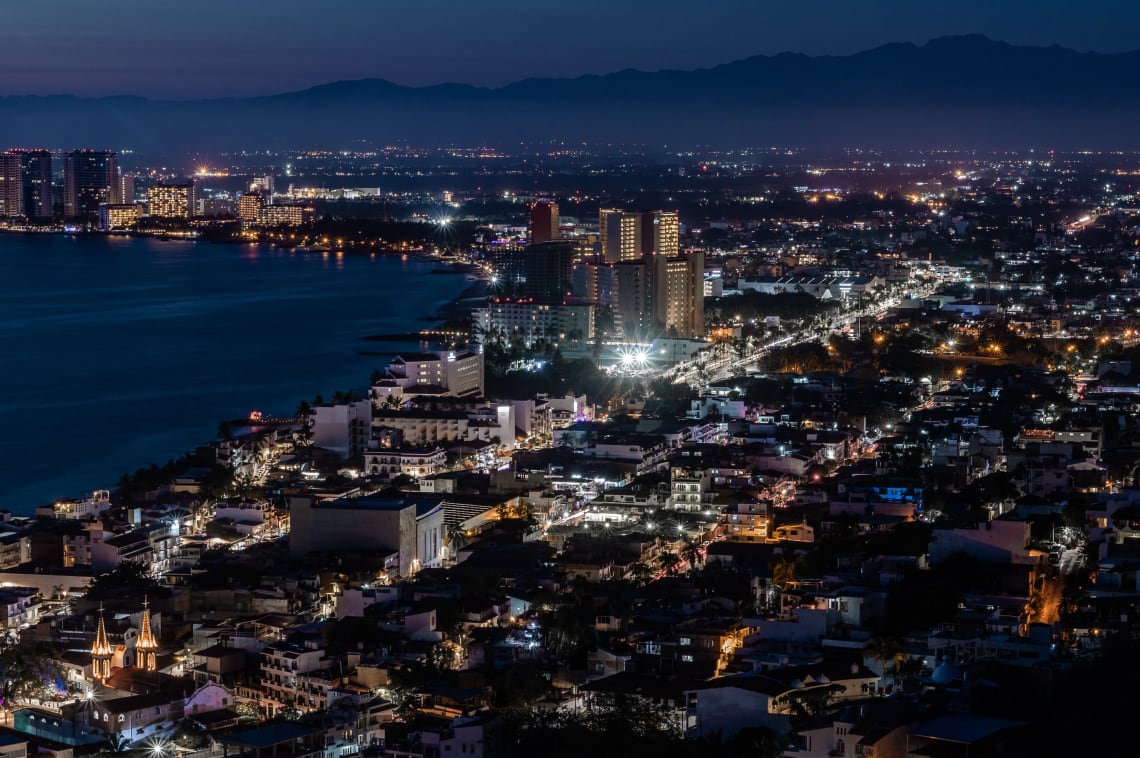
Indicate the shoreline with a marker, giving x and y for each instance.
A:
(459, 303)
(448, 266)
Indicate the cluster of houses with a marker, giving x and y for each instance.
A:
(739, 565)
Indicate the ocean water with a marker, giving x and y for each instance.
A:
(119, 352)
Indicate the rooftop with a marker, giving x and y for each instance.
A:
(964, 727)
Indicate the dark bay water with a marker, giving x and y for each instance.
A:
(119, 352)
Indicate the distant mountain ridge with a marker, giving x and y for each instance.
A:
(962, 91)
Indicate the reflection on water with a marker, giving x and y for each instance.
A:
(120, 352)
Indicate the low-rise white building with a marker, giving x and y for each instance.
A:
(296, 676)
(428, 427)
(77, 508)
(530, 321)
(767, 699)
(388, 463)
(449, 373)
(21, 606)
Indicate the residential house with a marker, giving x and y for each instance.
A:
(296, 676)
(725, 705)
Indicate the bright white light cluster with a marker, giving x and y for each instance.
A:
(634, 358)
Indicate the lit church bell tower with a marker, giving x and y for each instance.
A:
(101, 652)
(147, 646)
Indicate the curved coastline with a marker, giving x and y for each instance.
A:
(314, 370)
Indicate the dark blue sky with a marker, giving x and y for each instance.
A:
(195, 48)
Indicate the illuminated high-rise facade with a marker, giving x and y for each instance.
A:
(679, 294)
(25, 184)
(628, 235)
(171, 200)
(283, 215)
(249, 207)
(90, 179)
(661, 233)
(660, 296)
(11, 186)
(127, 189)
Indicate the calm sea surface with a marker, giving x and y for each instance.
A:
(119, 352)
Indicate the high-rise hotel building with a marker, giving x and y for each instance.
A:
(679, 294)
(90, 179)
(544, 223)
(660, 296)
(37, 184)
(171, 200)
(25, 184)
(11, 186)
(249, 207)
(628, 235)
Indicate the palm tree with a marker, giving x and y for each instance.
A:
(304, 414)
(456, 539)
(783, 571)
(889, 652)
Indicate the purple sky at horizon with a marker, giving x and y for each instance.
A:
(219, 48)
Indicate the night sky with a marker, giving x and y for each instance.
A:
(203, 48)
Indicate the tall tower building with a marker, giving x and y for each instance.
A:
(633, 304)
(127, 189)
(661, 296)
(628, 235)
(90, 179)
(544, 223)
(171, 200)
(11, 185)
(548, 269)
(620, 235)
(595, 282)
(249, 207)
(146, 648)
(101, 652)
(37, 184)
(661, 232)
(679, 294)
